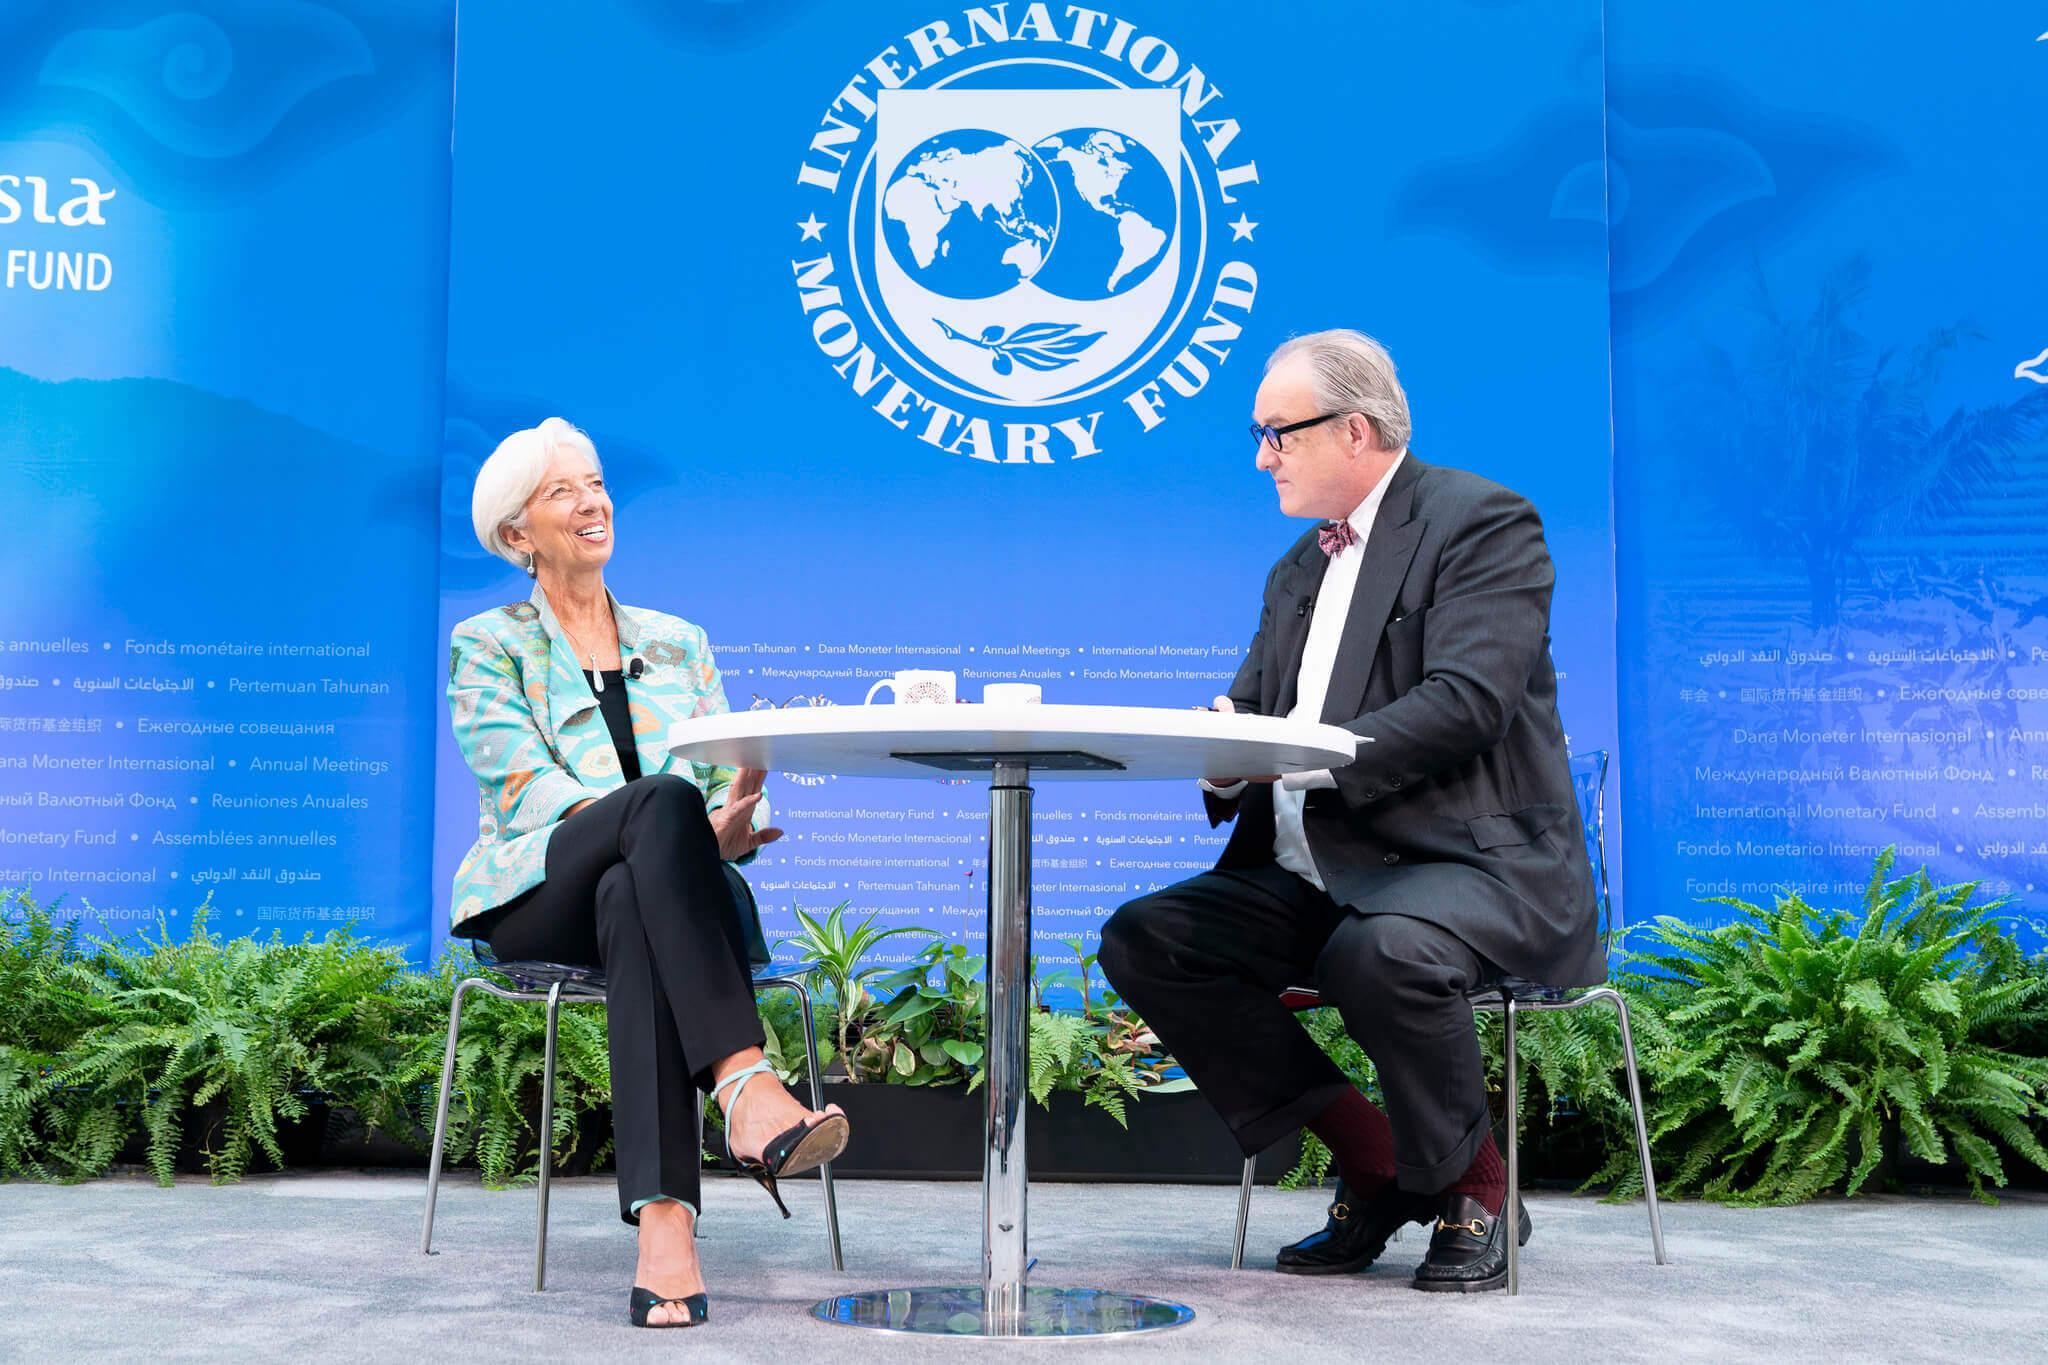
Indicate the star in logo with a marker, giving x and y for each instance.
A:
(2032, 369)
(1241, 230)
(811, 228)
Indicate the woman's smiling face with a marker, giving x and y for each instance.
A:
(569, 517)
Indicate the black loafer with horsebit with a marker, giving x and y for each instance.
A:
(1356, 1233)
(1467, 1253)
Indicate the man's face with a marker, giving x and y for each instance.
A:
(1318, 470)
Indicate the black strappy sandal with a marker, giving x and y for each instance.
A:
(696, 1308)
(793, 1150)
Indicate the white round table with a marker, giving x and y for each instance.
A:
(1013, 744)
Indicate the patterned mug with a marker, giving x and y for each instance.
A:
(917, 686)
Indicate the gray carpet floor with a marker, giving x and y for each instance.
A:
(327, 1267)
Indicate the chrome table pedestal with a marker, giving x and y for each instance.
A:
(1003, 1305)
(1011, 743)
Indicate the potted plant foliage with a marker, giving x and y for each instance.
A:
(906, 1065)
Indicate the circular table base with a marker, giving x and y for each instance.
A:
(957, 1311)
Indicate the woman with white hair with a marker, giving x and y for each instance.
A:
(596, 846)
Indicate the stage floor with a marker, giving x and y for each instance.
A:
(327, 1267)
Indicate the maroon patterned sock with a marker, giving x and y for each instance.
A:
(1486, 1179)
(1357, 1134)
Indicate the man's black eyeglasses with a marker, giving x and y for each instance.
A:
(1271, 435)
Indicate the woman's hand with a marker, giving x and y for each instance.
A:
(733, 821)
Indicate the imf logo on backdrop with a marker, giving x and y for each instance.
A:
(1021, 237)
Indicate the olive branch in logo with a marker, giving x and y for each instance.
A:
(1034, 345)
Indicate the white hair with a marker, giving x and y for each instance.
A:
(510, 477)
(1350, 372)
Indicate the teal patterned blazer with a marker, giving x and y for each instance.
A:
(530, 729)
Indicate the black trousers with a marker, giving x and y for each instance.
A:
(1203, 963)
(635, 886)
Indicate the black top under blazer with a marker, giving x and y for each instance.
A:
(1461, 811)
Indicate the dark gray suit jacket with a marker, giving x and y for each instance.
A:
(1461, 810)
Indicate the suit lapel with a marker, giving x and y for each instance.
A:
(1290, 631)
(570, 700)
(1395, 533)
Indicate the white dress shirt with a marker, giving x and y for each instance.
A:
(1318, 657)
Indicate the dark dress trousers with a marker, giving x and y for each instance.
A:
(635, 885)
(1451, 847)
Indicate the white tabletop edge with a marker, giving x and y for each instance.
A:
(1024, 727)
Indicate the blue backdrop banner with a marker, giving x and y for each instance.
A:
(1829, 317)
(917, 336)
(223, 231)
(927, 337)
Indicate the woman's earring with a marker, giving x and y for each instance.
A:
(529, 565)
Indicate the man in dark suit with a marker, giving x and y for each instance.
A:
(1446, 854)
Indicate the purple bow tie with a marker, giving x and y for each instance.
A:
(1336, 537)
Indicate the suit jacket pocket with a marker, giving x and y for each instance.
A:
(1525, 826)
(1404, 647)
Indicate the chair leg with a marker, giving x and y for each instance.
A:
(441, 1114)
(803, 1001)
(697, 1098)
(1510, 1214)
(1244, 1213)
(547, 1139)
(1635, 1099)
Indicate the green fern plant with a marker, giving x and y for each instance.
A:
(1066, 1055)
(1794, 1046)
(2019, 1023)
(494, 1104)
(1568, 1076)
(177, 1024)
(1103, 1051)
(1059, 1050)
(36, 947)
(41, 1018)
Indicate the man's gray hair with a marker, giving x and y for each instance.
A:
(1353, 373)
(510, 476)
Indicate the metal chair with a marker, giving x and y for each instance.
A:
(556, 982)
(1512, 996)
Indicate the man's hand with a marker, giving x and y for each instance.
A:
(733, 821)
(1229, 708)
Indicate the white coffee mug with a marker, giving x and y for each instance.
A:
(917, 686)
(1011, 694)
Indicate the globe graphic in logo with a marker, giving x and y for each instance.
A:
(970, 214)
(1116, 213)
